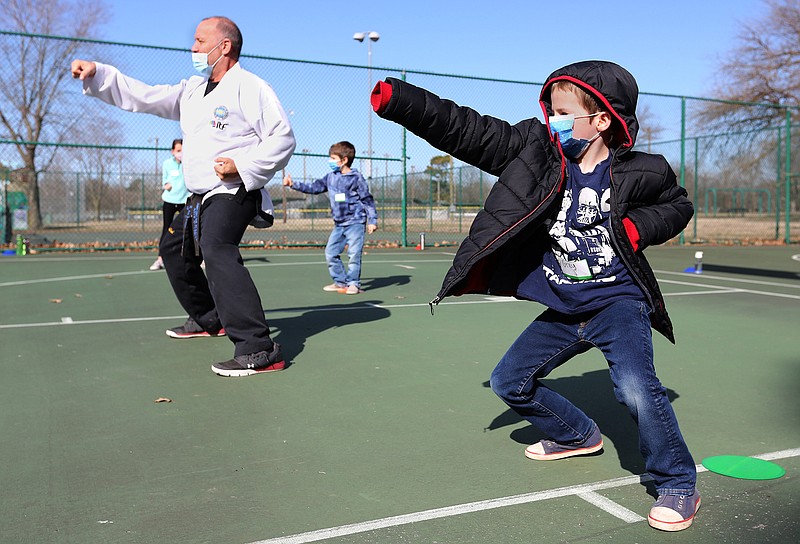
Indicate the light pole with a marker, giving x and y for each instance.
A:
(370, 36)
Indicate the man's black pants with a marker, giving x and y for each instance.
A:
(228, 297)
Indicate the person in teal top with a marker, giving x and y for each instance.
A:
(175, 192)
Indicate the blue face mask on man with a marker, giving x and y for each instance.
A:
(562, 125)
(200, 62)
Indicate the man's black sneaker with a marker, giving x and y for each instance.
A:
(253, 363)
(191, 329)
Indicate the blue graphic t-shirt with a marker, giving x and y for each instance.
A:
(581, 271)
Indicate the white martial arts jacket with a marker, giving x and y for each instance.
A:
(241, 119)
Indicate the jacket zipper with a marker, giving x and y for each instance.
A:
(621, 254)
(475, 257)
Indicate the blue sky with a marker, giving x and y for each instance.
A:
(671, 47)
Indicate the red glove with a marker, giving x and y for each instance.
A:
(632, 232)
(380, 96)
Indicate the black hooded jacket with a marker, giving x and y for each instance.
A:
(508, 237)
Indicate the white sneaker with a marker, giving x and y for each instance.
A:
(157, 265)
(353, 290)
(334, 288)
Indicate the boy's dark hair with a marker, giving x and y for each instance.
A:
(177, 141)
(345, 150)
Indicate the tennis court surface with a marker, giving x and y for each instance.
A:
(384, 429)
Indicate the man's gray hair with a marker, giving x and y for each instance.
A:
(229, 30)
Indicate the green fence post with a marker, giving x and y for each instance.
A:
(404, 203)
(78, 199)
(696, 168)
(141, 205)
(778, 186)
(460, 199)
(383, 200)
(788, 173)
(681, 238)
(430, 201)
(5, 211)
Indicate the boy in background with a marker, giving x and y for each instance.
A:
(565, 225)
(353, 211)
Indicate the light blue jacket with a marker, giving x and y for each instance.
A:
(172, 173)
(351, 201)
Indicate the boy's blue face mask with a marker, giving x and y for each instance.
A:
(334, 164)
(573, 148)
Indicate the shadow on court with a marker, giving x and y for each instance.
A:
(256, 260)
(292, 332)
(745, 271)
(371, 284)
(593, 393)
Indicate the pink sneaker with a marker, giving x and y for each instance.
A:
(547, 450)
(674, 512)
(334, 288)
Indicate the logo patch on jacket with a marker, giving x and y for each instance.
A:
(220, 114)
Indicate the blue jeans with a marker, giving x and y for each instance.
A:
(353, 236)
(622, 332)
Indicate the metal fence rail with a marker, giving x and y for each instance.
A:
(95, 182)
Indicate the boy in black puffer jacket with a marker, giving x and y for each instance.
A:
(565, 226)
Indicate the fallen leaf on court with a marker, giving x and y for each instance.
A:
(78, 295)
(108, 276)
(162, 399)
(56, 300)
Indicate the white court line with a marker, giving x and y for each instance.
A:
(365, 306)
(723, 278)
(111, 275)
(368, 305)
(395, 262)
(108, 275)
(583, 491)
(72, 322)
(148, 257)
(697, 293)
(607, 505)
(751, 291)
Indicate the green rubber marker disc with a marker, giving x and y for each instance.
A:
(745, 468)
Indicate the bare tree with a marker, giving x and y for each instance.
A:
(32, 95)
(96, 163)
(649, 126)
(763, 68)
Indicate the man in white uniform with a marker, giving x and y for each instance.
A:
(236, 136)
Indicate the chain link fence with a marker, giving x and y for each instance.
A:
(91, 177)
